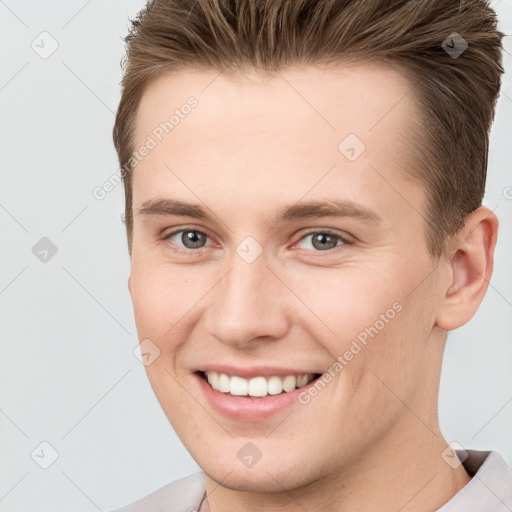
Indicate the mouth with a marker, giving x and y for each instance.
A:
(258, 386)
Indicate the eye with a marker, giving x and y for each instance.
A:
(324, 240)
(188, 238)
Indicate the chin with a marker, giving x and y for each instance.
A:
(270, 477)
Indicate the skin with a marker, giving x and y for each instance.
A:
(370, 439)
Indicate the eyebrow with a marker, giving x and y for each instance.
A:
(302, 210)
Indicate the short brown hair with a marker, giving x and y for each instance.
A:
(456, 93)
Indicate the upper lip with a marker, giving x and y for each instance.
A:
(254, 371)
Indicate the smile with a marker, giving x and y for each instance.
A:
(256, 387)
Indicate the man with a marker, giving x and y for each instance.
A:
(304, 186)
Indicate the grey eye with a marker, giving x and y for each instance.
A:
(323, 241)
(190, 238)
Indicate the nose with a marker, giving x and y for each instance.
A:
(250, 302)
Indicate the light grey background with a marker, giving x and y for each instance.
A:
(68, 373)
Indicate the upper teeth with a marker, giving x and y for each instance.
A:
(257, 386)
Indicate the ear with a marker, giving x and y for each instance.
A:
(130, 284)
(470, 258)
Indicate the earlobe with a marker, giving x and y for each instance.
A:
(470, 257)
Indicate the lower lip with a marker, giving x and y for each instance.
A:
(244, 408)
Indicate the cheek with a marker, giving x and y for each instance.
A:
(345, 303)
(161, 298)
(371, 321)
(390, 367)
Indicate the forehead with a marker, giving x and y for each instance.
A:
(340, 98)
(265, 131)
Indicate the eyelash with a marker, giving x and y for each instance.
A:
(326, 231)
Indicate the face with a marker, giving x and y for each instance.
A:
(279, 237)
